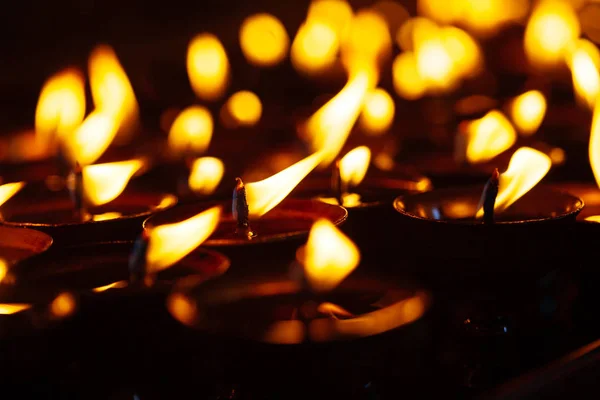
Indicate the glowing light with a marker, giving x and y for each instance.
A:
(206, 174)
(463, 50)
(91, 139)
(191, 131)
(13, 308)
(264, 40)
(8, 190)
(393, 13)
(244, 108)
(171, 242)
(434, 61)
(3, 269)
(207, 67)
(527, 111)
(354, 166)
(377, 113)
(593, 218)
(182, 308)
(337, 14)
(489, 136)
(328, 257)
(584, 61)
(594, 147)
(63, 305)
(408, 83)
(368, 39)
(114, 285)
(102, 183)
(262, 196)
(314, 48)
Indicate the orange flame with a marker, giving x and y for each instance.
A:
(527, 111)
(103, 183)
(378, 112)
(594, 146)
(171, 242)
(192, 130)
(354, 166)
(3, 269)
(63, 305)
(206, 175)
(244, 108)
(408, 83)
(584, 62)
(207, 67)
(13, 308)
(91, 139)
(114, 285)
(489, 136)
(8, 190)
(264, 40)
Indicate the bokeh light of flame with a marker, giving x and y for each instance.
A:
(182, 308)
(191, 131)
(112, 92)
(368, 41)
(61, 106)
(377, 113)
(91, 139)
(8, 190)
(354, 166)
(170, 243)
(527, 111)
(103, 183)
(206, 174)
(407, 80)
(594, 145)
(13, 308)
(244, 108)
(552, 27)
(207, 67)
(114, 285)
(328, 257)
(584, 62)
(526, 168)
(264, 40)
(63, 305)
(593, 218)
(3, 269)
(489, 136)
(263, 196)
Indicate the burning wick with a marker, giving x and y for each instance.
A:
(76, 191)
(240, 211)
(137, 260)
(337, 184)
(488, 198)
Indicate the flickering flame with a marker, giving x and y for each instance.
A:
(103, 183)
(61, 105)
(263, 196)
(552, 28)
(191, 130)
(63, 305)
(368, 39)
(13, 308)
(207, 67)
(206, 174)
(377, 113)
(527, 111)
(526, 168)
(245, 108)
(489, 136)
(328, 257)
(330, 126)
(91, 139)
(407, 80)
(114, 285)
(171, 242)
(264, 40)
(594, 146)
(354, 166)
(8, 190)
(314, 48)
(112, 92)
(584, 62)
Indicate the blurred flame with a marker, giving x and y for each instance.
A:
(434, 62)
(112, 92)
(463, 50)
(182, 308)
(328, 257)
(207, 66)
(262, 196)
(368, 40)
(314, 48)
(106, 216)
(61, 105)
(354, 166)
(102, 183)
(205, 175)
(63, 305)
(264, 40)
(13, 308)
(192, 130)
(407, 81)
(337, 14)
(114, 285)
(584, 61)
(91, 139)
(378, 112)
(552, 27)
(593, 218)
(334, 310)
(394, 13)
(489, 136)
(171, 242)
(594, 146)
(527, 111)
(244, 108)
(3, 269)
(8, 190)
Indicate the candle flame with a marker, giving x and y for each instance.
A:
(594, 146)
(593, 218)
(328, 257)
(584, 61)
(207, 67)
(8, 190)
(91, 139)
(206, 174)
(527, 111)
(354, 166)
(103, 183)
(264, 40)
(114, 285)
(170, 243)
(489, 136)
(13, 308)
(63, 305)
(377, 113)
(408, 83)
(192, 130)
(112, 92)
(368, 40)
(334, 310)
(244, 108)
(263, 196)
(3, 269)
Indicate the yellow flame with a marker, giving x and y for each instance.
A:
(103, 183)
(8, 190)
(378, 112)
(408, 83)
(63, 305)
(328, 257)
(463, 50)
(314, 48)
(337, 14)
(489, 136)
(434, 61)
(114, 285)
(91, 139)
(262, 196)
(192, 130)
(207, 66)
(106, 216)
(3, 269)
(551, 29)
(112, 91)
(526, 168)
(61, 105)
(206, 174)
(13, 308)
(593, 218)
(264, 40)
(594, 146)
(245, 108)
(527, 111)
(394, 13)
(330, 126)
(368, 39)
(171, 242)
(584, 61)
(354, 166)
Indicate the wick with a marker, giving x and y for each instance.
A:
(240, 211)
(138, 273)
(76, 191)
(337, 184)
(488, 198)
